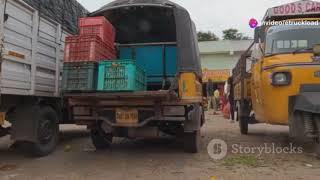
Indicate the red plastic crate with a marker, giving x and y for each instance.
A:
(87, 49)
(99, 26)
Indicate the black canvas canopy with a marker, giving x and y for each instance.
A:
(147, 21)
(65, 12)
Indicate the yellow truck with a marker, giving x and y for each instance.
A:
(277, 80)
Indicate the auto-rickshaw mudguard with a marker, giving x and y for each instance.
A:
(308, 100)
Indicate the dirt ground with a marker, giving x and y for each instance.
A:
(164, 159)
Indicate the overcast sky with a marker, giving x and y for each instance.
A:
(216, 15)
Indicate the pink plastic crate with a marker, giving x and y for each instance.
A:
(99, 26)
(87, 48)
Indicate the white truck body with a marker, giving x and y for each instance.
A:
(32, 50)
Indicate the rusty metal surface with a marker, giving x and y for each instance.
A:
(148, 100)
(119, 103)
(144, 98)
(143, 123)
(162, 94)
(240, 75)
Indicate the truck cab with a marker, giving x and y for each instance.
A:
(284, 71)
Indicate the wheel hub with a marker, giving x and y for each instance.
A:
(46, 131)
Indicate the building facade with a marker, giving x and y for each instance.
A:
(218, 58)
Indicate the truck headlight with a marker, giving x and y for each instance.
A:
(281, 78)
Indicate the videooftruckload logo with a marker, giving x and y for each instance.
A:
(253, 23)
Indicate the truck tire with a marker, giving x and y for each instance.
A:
(317, 142)
(100, 139)
(296, 127)
(47, 132)
(243, 123)
(243, 120)
(192, 141)
(316, 149)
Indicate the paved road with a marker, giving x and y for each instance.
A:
(159, 159)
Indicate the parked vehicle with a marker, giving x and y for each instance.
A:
(158, 37)
(31, 52)
(282, 84)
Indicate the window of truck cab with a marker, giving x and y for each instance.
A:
(284, 39)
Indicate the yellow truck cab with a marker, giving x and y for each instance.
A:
(282, 84)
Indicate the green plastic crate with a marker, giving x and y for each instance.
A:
(121, 75)
(79, 76)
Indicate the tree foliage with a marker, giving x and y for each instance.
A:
(233, 34)
(207, 36)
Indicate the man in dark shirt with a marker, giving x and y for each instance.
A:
(210, 93)
(231, 97)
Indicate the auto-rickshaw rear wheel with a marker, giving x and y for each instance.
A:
(242, 117)
(99, 138)
(192, 141)
(303, 131)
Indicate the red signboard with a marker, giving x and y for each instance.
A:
(295, 8)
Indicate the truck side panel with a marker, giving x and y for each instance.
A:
(32, 52)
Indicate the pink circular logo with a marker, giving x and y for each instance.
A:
(253, 23)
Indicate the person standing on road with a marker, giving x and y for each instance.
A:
(210, 93)
(231, 98)
(216, 101)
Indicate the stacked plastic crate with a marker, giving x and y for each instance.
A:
(83, 52)
(121, 75)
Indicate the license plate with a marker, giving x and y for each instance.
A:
(2, 118)
(127, 116)
(317, 74)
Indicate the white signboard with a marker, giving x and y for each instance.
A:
(295, 8)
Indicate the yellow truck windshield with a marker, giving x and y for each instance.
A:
(291, 39)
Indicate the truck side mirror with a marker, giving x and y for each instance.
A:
(257, 34)
(316, 50)
(249, 54)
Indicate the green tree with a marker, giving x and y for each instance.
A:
(233, 34)
(207, 36)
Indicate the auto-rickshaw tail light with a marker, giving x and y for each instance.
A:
(189, 87)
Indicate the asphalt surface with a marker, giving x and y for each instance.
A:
(164, 159)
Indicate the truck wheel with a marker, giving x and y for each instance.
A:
(192, 141)
(296, 126)
(243, 123)
(316, 149)
(243, 120)
(47, 133)
(100, 139)
(317, 143)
